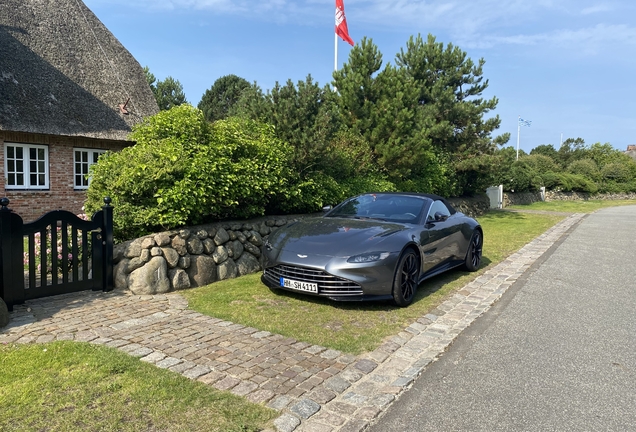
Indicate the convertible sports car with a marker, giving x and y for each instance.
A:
(374, 246)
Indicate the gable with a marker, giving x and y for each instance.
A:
(63, 73)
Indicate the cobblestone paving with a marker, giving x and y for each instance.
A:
(316, 389)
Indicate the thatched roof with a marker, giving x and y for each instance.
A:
(63, 73)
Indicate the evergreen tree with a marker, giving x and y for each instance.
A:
(381, 106)
(169, 93)
(219, 99)
(571, 150)
(450, 87)
(303, 114)
(546, 150)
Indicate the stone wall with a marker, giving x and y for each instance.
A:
(192, 257)
(521, 198)
(524, 198)
(471, 206)
(573, 196)
(197, 256)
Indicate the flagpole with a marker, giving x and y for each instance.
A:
(335, 50)
(518, 131)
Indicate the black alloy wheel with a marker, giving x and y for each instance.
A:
(473, 256)
(406, 279)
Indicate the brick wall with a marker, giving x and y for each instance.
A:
(31, 204)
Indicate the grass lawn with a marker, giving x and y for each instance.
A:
(356, 327)
(578, 206)
(71, 386)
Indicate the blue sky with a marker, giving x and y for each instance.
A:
(569, 66)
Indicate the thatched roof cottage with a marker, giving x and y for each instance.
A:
(68, 92)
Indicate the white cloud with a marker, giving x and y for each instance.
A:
(603, 7)
(590, 39)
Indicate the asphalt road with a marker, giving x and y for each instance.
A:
(556, 353)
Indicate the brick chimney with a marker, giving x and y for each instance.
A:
(631, 147)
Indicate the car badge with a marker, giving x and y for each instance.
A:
(301, 256)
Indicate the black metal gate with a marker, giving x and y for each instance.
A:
(56, 254)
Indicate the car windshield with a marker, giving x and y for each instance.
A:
(393, 208)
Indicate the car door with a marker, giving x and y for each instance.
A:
(442, 245)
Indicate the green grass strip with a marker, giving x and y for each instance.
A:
(72, 386)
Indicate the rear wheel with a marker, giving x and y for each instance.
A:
(406, 279)
(473, 255)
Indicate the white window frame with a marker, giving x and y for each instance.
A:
(26, 166)
(91, 158)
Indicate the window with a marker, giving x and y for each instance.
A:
(437, 207)
(26, 166)
(84, 158)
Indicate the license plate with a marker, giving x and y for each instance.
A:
(299, 286)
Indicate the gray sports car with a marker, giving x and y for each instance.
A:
(373, 246)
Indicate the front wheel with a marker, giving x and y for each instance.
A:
(406, 279)
(473, 255)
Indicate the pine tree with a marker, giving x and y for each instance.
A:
(219, 99)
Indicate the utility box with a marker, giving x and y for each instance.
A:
(495, 195)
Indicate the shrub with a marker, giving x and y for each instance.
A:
(370, 183)
(576, 183)
(541, 163)
(182, 170)
(348, 155)
(308, 195)
(586, 168)
(550, 179)
(519, 178)
(616, 171)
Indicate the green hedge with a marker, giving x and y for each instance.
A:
(183, 170)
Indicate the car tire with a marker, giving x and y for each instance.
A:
(406, 279)
(473, 255)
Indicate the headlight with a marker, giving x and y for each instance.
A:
(368, 257)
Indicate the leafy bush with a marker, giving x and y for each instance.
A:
(576, 183)
(541, 163)
(184, 169)
(347, 156)
(519, 178)
(585, 167)
(369, 183)
(550, 179)
(616, 171)
(308, 195)
(615, 187)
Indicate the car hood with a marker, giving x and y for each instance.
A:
(332, 237)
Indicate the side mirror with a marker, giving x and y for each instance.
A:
(327, 208)
(440, 217)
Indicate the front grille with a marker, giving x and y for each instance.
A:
(327, 284)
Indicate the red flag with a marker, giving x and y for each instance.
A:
(341, 23)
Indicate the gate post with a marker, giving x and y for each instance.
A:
(11, 256)
(107, 242)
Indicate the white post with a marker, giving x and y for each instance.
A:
(518, 130)
(335, 50)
